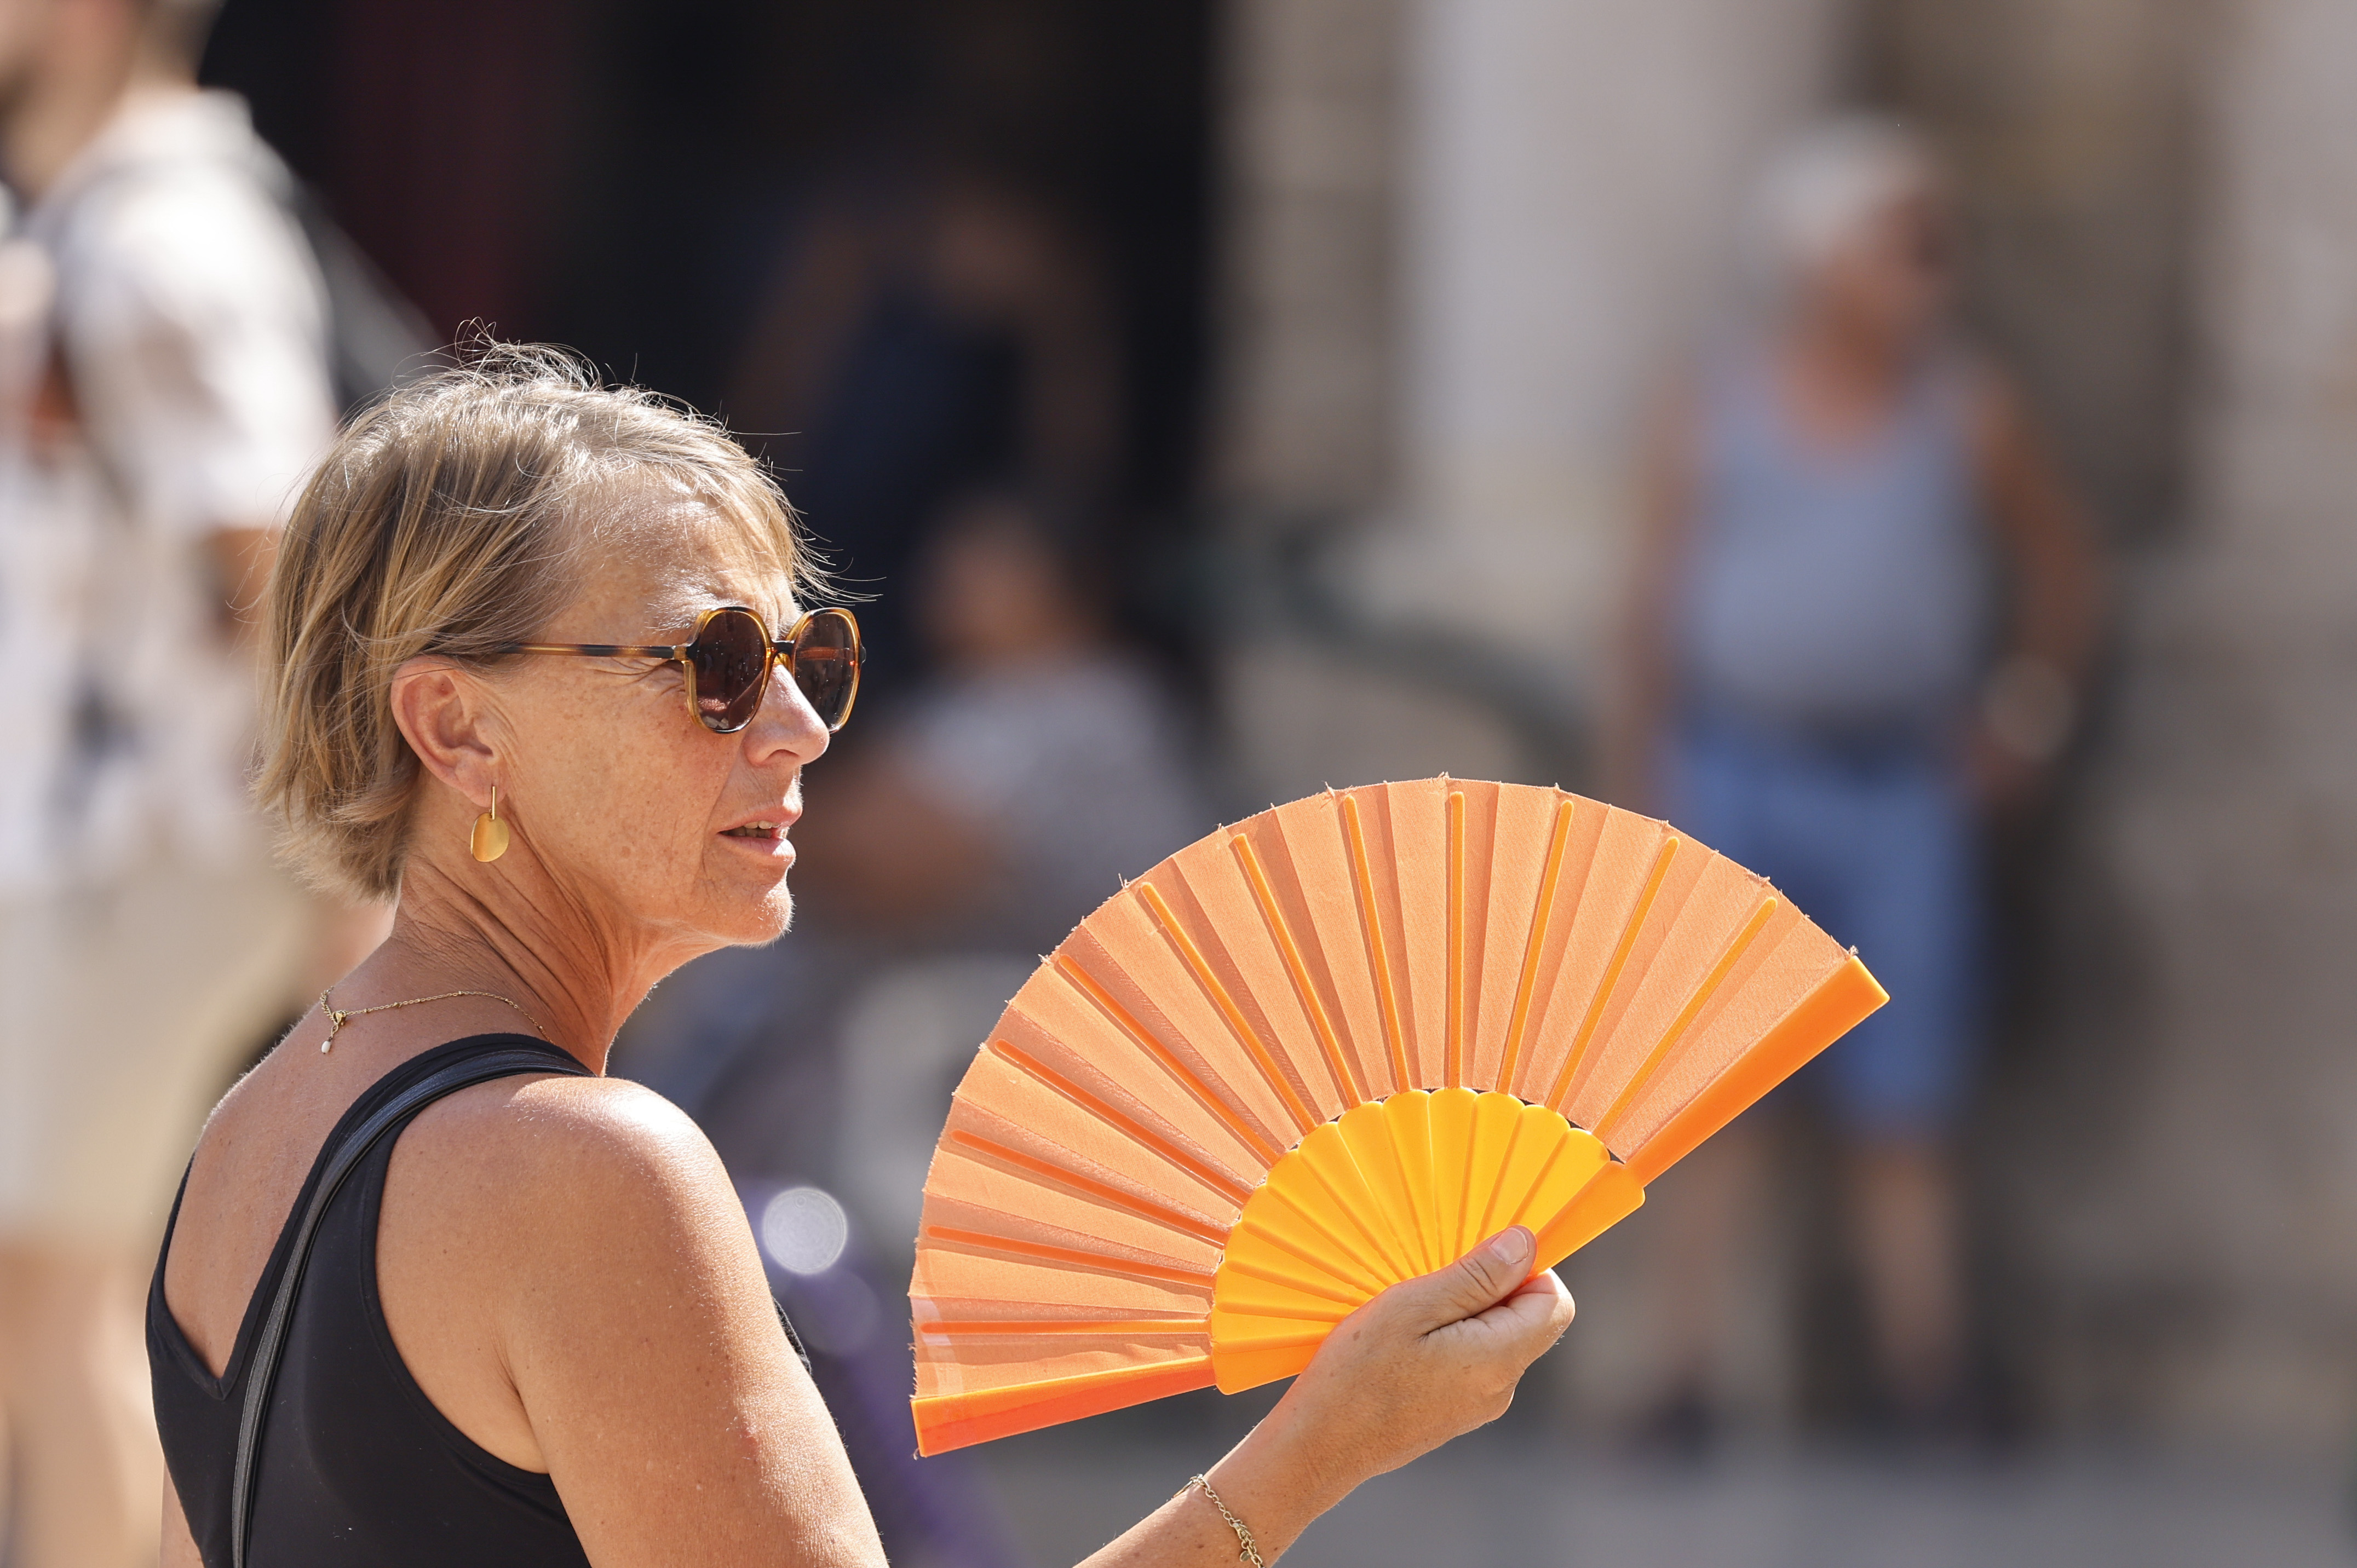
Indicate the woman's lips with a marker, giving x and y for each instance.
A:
(765, 829)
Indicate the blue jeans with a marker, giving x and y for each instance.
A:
(1878, 845)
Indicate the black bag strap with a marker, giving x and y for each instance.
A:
(348, 1152)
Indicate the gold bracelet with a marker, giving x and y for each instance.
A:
(1248, 1553)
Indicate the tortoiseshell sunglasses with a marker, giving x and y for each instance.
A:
(729, 658)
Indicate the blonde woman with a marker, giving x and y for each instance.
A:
(542, 677)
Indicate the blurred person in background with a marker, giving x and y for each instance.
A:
(935, 324)
(1862, 610)
(164, 383)
(1016, 788)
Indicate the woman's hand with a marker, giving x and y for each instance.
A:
(1426, 1360)
(1416, 1366)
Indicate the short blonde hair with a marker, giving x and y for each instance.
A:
(447, 520)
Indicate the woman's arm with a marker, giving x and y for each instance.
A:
(634, 1323)
(635, 1328)
(2055, 593)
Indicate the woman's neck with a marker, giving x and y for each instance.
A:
(576, 982)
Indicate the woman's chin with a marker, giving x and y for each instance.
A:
(740, 917)
(768, 919)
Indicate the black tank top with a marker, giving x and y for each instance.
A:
(356, 1467)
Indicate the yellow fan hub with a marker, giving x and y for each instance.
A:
(1392, 1190)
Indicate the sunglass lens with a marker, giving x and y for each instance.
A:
(731, 658)
(826, 664)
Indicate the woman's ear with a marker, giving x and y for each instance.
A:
(442, 713)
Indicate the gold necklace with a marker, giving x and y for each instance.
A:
(338, 1016)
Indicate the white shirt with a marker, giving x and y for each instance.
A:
(163, 375)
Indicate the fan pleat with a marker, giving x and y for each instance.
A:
(1229, 993)
(1623, 873)
(1057, 1022)
(1029, 1127)
(1126, 1126)
(1150, 976)
(1327, 1051)
(1191, 1069)
(1226, 916)
(1784, 965)
(1418, 818)
(1382, 964)
(946, 1243)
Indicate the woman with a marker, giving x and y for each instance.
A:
(1838, 685)
(534, 1328)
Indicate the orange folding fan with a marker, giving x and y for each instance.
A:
(1327, 1049)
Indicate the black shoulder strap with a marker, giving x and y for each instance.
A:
(347, 1154)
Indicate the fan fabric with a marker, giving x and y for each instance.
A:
(1327, 1050)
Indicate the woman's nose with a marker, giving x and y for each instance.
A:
(787, 722)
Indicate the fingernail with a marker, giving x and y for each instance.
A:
(1512, 1245)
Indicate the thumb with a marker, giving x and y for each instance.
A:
(1474, 1282)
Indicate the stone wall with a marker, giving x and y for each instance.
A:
(1308, 369)
(2185, 1140)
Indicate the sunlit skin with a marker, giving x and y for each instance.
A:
(563, 1265)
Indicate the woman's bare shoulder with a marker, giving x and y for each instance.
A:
(566, 1153)
(563, 1214)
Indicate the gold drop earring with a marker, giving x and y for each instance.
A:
(490, 839)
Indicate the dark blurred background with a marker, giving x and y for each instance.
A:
(659, 187)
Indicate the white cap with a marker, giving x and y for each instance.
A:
(1827, 183)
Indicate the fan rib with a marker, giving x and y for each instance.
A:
(1268, 1277)
(1237, 1022)
(1410, 1116)
(1321, 1277)
(1611, 1194)
(1105, 1192)
(1247, 1308)
(1088, 986)
(1201, 1171)
(1728, 960)
(1346, 1080)
(955, 1421)
(1536, 1185)
(1375, 1152)
(1497, 1118)
(1312, 1163)
(1453, 1071)
(1542, 915)
(1386, 995)
(1099, 1327)
(1498, 1187)
(1372, 1267)
(1367, 1280)
(1560, 1095)
(1838, 1004)
(1072, 1256)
